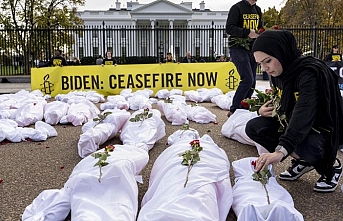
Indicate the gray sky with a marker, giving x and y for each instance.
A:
(214, 5)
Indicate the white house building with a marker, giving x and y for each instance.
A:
(153, 30)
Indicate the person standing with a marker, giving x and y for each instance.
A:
(76, 61)
(57, 60)
(244, 20)
(334, 55)
(169, 58)
(109, 60)
(99, 60)
(188, 58)
(312, 105)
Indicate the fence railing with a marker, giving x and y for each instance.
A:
(21, 49)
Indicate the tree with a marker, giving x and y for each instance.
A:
(311, 12)
(19, 17)
(271, 17)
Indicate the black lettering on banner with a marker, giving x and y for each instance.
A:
(211, 78)
(130, 82)
(71, 83)
(65, 83)
(154, 79)
(112, 78)
(78, 82)
(200, 79)
(147, 80)
(121, 81)
(169, 80)
(86, 82)
(138, 78)
(95, 82)
(178, 79)
(162, 80)
(191, 79)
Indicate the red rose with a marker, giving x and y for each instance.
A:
(269, 91)
(261, 30)
(244, 103)
(275, 27)
(195, 143)
(253, 163)
(109, 148)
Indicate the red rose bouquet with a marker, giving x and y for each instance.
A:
(255, 103)
(245, 42)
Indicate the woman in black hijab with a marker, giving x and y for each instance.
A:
(311, 100)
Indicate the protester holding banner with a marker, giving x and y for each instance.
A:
(57, 60)
(244, 20)
(188, 58)
(334, 55)
(109, 60)
(169, 58)
(312, 105)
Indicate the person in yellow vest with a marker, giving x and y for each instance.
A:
(334, 55)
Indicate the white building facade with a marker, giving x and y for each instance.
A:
(153, 30)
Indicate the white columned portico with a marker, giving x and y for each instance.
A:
(171, 37)
(152, 23)
(133, 37)
(189, 39)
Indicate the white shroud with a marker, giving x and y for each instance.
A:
(208, 193)
(250, 200)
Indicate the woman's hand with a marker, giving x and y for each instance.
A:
(268, 158)
(266, 110)
(253, 34)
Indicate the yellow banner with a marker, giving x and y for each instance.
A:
(110, 80)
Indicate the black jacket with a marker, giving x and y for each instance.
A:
(55, 61)
(313, 101)
(109, 61)
(188, 60)
(241, 18)
(333, 57)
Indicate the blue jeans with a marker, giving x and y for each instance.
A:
(246, 67)
(264, 131)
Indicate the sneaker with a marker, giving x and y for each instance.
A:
(324, 185)
(298, 168)
(229, 114)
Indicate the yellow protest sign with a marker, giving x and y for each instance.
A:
(110, 80)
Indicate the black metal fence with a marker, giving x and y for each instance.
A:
(21, 49)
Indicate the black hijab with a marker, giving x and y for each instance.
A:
(281, 44)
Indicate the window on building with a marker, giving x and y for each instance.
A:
(123, 51)
(177, 52)
(144, 50)
(81, 52)
(197, 51)
(197, 33)
(95, 51)
(109, 34)
(123, 33)
(110, 49)
(225, 50)
(95, 34)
